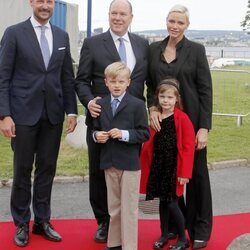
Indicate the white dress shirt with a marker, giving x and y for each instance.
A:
(48, 33)
(131, 60)
(125, 133)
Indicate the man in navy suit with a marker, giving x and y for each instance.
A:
(36, 90)
(96, 54)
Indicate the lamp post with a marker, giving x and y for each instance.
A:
(89, 18)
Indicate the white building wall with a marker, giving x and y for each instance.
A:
(12, 12)
(15, 11)
(73, 29)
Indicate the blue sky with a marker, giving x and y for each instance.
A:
(151, 14)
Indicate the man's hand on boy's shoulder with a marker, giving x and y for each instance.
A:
(94, 108)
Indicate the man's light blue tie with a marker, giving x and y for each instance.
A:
(114, 105)
(44, 47)
(122, 50)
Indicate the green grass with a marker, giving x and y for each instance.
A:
(231, 94)
(226, 141)
(70, 162)
(5, 158)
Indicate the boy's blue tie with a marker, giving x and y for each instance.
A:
(114, 105)
(122, 50)
(44, 47)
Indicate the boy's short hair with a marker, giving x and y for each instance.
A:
(114, 69)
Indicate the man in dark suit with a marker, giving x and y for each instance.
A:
(98, 52)
(36, 90)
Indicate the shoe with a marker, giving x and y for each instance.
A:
(199, 244)
(47, 230)
(179, 245)
(160, 243)
(113, 248)
(172, 236)
(21, 238)
(101, 235)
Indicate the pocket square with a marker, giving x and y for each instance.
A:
(62, 48)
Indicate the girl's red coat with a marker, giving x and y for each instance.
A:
(185, 137)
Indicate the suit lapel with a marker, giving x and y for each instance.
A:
(136, 50)
(110, 46)
(183, 56)
(56, 44)
(123, 103)
(33, 42)
(107, 108)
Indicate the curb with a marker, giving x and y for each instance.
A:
(77, 179)
(229, 164)
(57, 179)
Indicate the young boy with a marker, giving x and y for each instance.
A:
(121, 130)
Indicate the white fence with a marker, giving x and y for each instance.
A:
(231, 93)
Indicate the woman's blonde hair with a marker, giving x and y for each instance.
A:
(180, 9)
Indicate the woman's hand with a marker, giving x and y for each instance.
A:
(183, 181)
(155, 118)
(201, 139)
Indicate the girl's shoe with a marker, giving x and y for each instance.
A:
(179, 245)
(160, 243)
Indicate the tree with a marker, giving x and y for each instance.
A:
(246, 22)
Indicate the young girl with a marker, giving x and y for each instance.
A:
(167, 160)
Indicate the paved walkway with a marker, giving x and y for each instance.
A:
(230, 189)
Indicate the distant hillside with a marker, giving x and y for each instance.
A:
(198, 33)
(214, 37)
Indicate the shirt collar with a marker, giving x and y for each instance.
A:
(35, 23)
(116, 37)
(119, 97)
(164, 43)
(180, 43)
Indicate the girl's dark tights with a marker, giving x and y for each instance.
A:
(172, 209)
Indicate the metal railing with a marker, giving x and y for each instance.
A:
(228, 52)
(231, 93)
(230, 89)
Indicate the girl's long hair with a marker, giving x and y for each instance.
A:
(166, 84)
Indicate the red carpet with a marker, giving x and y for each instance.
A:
(78, 234)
